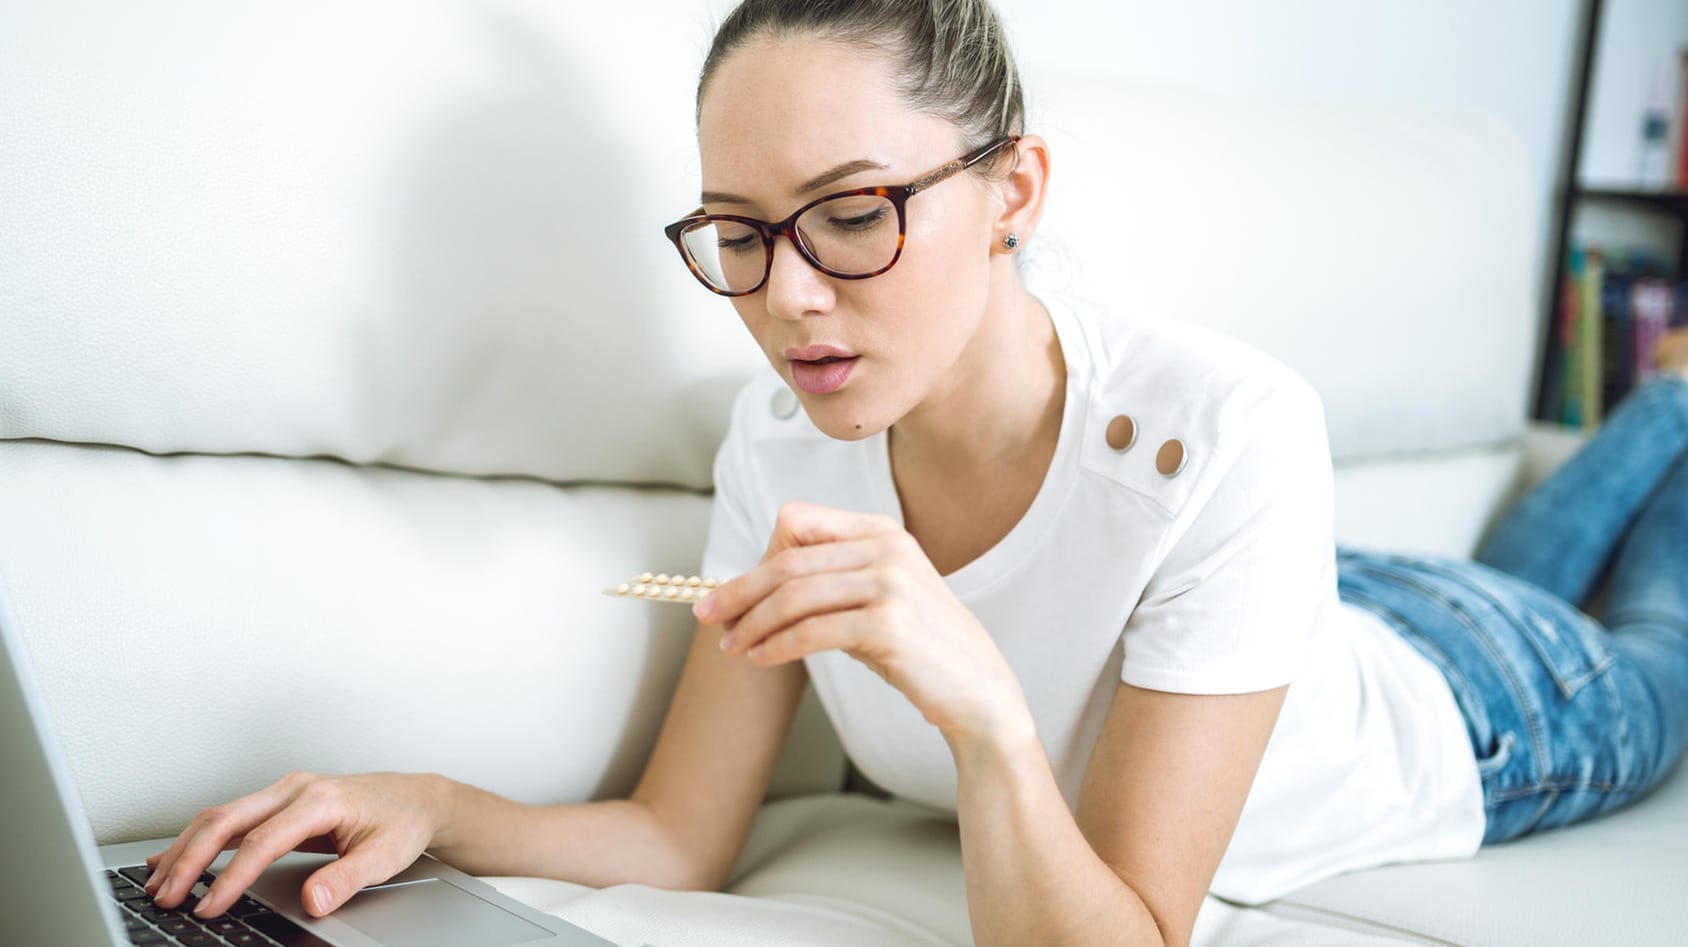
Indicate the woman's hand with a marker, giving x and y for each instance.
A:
(861, 584)
(378, 823)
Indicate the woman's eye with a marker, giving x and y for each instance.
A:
(862, 222)
(736, 244)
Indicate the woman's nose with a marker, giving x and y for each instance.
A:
(795, 288)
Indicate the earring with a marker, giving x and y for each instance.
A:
(1011, 241)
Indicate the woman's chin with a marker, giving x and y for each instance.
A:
(838, 419)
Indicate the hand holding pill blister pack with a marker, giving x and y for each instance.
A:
(662, 587)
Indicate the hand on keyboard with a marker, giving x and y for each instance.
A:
(379, 823)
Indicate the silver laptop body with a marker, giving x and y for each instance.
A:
(56, 888)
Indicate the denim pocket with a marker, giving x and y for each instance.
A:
(1573, 647)
(1569, 645)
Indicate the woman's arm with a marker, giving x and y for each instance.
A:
(682, 828)
(687, 819)
(1169, 773)
(1161, 796)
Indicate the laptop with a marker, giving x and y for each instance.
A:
(57, 888)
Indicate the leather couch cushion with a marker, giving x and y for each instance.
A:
(1617, 879)
(848, 870)
(201, 625)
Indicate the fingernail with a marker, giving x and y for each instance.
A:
(319, 894)
(705, 606)
(726, 641)
(203, 907)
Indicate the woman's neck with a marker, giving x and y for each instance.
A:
(1005, 405)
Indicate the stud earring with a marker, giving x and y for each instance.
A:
(1011, 241)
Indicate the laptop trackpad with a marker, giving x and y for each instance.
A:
(433, 913)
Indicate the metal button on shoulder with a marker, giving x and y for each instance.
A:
(1169, 460)
(1122, 432)
(784, 404)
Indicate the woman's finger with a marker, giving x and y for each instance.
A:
(318, 810)
(800, 598)
(370, 861)
(733, 598)
(805, 524)
(829, 631)
(212, 831)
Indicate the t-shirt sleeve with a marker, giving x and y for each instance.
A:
(733, 546)
(1234, 602)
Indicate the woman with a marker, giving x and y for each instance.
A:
(951, 496)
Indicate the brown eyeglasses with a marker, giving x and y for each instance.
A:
(848, 235)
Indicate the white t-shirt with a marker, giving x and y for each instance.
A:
(1220, 579)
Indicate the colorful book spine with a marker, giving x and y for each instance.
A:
(1652, 301)
(1615, 305)
(1617, 335)
(1681, 124)
(1570, 297)
(1589, 346)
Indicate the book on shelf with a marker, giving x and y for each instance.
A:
(1615, 306)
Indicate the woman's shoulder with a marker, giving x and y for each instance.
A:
(1198, 374)
(1213, 394)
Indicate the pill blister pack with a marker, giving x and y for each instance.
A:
(662, 587)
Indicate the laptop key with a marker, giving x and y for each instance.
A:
(245, 939)
(147, 938)
(245, 907)
(285, 932)
(198, 939)
(136, 873)
(177, 926)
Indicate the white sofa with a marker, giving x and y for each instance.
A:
(342, 362)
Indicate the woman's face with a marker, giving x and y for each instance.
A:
(775, 118)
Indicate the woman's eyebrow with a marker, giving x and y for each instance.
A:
(813, 184)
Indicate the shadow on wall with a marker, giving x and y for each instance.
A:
(521, 305)
(516, 296)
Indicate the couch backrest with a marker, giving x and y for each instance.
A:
(342, 360)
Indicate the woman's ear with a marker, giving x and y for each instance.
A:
(1022, 194)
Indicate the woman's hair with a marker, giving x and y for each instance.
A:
(951, 58)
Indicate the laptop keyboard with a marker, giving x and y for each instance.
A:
(246, 923)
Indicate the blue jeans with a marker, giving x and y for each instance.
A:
(1568, 717)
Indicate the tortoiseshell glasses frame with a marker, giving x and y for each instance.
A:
(897, 195)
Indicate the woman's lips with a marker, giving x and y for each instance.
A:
(821, 377)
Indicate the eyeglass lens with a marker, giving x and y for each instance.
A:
(851, 236)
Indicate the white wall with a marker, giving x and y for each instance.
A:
(1513, 60)
(1635, 37)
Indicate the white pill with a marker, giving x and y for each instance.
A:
(644, 577)
(687, 595)
(710, 583)
(694, 581)
(662, 579)
(622, 589)
(673, 593)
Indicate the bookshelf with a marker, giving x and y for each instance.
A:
(1570, 194)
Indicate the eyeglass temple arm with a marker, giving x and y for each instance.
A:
(959, 165)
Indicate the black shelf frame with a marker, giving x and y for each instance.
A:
(1568, 192)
